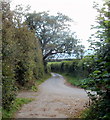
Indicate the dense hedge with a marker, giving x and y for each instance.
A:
(81, 68)
(28, 59)
(100, 77)
(22, 57)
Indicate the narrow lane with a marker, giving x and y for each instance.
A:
(54, 100)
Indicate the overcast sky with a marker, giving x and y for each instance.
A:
(81, 11)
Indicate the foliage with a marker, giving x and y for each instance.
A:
(78, 68)
(29, 63)
(17, 104)
(98, 110)
(100, 77)
(76, 81)
(8, 79)
(22, 55)
(54, 34)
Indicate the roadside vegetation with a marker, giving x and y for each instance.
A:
(17, 104)
(22, 60)
(76, 81)
(74, 71)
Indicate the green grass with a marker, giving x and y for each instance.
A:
(17, 104)
(76, 81)
(85, 113)
(53, 63)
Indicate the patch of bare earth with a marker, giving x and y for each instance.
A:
(53, 100)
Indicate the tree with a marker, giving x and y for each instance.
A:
(53, 33)
(79, 51)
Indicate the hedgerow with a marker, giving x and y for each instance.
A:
(81, 68)
(22, 57)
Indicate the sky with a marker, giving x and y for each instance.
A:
(81, 11)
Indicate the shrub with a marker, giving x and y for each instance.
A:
(22, 56)
(81, 68)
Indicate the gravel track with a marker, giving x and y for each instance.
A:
(53, 100)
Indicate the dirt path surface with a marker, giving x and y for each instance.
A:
(54, 100)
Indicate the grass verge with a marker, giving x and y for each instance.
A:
(73, 80)
(17, 104)
(77, 81)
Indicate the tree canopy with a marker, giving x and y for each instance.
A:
(53, 33)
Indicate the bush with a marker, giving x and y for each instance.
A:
(22, 56)
(29, 64)
(9, 90)
(81, 68)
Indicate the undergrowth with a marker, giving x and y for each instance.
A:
(16, 105)
(73, 80)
